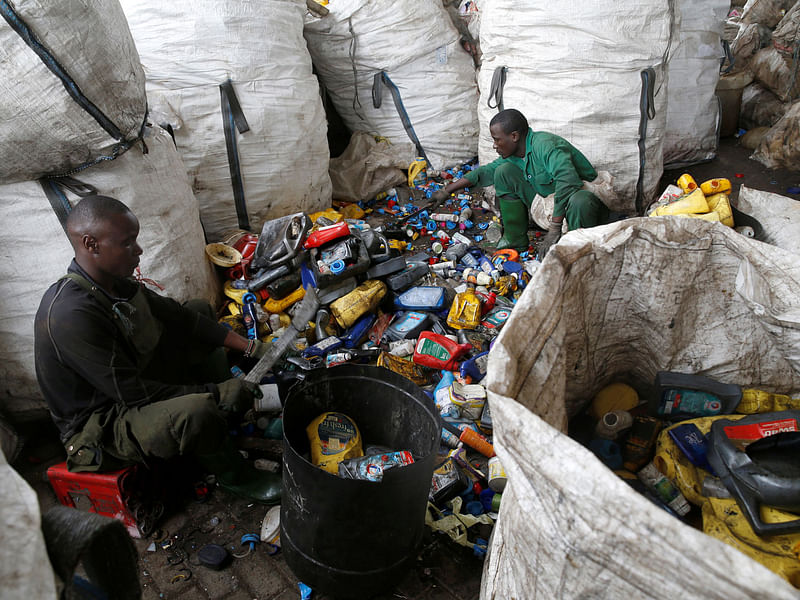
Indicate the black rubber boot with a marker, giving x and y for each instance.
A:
(514, 214)
(238, 477)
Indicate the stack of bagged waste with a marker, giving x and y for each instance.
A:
(75, 123)
(407, 286)
(763, 67)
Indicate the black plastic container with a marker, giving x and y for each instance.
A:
(345, 537)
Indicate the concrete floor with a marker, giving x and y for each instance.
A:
(441, 569)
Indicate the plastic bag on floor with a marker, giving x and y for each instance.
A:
(368, 166)
(625, 301)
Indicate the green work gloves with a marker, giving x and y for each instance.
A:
(550, 239)
(235, 395)
(258, 349)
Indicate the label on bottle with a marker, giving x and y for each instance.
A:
(691, 402)
(744, 435)
(428, 347)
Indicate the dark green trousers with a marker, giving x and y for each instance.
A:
(584, 209)
(186, 425)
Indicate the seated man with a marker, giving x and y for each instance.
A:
(530, 163)
(128, 374)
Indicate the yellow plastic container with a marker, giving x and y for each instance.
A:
(278, 306)
(687, 183)
(333, 437)
(417, 172)
(759, 401)
(352, 211)
(693, 203)
(328, 213)
(721, 204)
(366, 297)
(716, 186)
(233, 293)
(711, 217)
(616, 396)
(465, 311)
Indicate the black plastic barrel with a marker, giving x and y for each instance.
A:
(350, 538)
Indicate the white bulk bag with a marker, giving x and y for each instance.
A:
(416, 45)
(190, 47)
(778, 215)
(692, 105)
(780, 147)
(575, 69)
(621, 302)
(155, 187)
(93, 109)
(25, 568)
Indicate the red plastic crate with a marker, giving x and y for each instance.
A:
(107, 494)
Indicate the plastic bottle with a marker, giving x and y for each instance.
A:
(365, 298)
(421, 297)
(716, 186)
(613, 424)
(323, 235)
(687, 183)
(417, 172)
(249, 315)
(493, 233)
(465, 312)
(438, 352)
(664, 489)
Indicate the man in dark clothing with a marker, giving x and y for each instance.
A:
(530, 163)
(128, 374)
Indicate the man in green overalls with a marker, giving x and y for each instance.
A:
(530, 163)
(129, 375)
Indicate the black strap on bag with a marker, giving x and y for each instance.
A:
(377, 100)
(496, 88)
(54, 190)
(29, 37)
(233, 119)
(647, 112)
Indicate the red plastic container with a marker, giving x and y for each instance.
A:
(106, 494)
(438, 352)
(323, 235)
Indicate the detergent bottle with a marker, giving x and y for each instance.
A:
(438, 352)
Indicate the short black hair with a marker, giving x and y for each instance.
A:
(510, 120)
(89, 211)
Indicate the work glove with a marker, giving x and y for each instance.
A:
(258, 350)
(236, 395)
(550, 239)
(440, 195)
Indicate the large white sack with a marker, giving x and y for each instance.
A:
(155, 187)
(25, 569)
(778, 215)
(44, 130)
(415, 43)
(190, 47)
(621, 302)
(575, 69)
(692, 105)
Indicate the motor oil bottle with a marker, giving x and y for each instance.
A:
(716, 186)
(278, 306)
(692, 203)
(687, 183)
(365, 298)
(417, 172)
(438, 352)
(465, 312)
